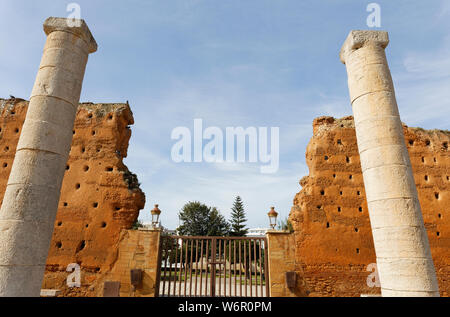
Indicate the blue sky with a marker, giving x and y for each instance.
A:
(232, 63)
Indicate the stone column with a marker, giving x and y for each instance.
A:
(32, 194)
(404, 260)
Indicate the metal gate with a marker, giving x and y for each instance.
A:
(212, 266)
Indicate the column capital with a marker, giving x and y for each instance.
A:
(74, 26)
(357, 38)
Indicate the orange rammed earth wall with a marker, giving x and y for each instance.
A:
(99, 195)
(138, 249)
(333, 238)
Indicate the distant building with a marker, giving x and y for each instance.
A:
(170, 232)
(257, 232)
(149, 225)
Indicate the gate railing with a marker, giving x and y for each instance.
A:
(213, 266)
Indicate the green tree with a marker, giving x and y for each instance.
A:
(238, 220)
(218, 226)
(200, 220)
(170, 248)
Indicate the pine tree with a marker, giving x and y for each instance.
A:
(238, 220)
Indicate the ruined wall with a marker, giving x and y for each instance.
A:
(99, 195)
(138, 249)
(281, 260)
(333, 238)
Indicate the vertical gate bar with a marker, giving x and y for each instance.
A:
(190, 268)
(220, 253)
(222, 266)
(234, 267)
(245, 266)
(185, 266)
(260, 268)
(213, 268)
(225, 267)
(256, 268)
(207, 267)
(163, 239)
(250, 265)
(196, 267)
(181, 267)
(266, 265)
(229, 267)
(165, 265)
(224, 261)
(201, 266)
(225, 288)
(240, 269)
(175, 268)
(169, 243)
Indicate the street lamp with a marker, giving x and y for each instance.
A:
(155, 216)
(272, 217)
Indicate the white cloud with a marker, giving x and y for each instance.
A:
(428, 65)
(422, 87)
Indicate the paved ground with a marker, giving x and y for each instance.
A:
(164, 288)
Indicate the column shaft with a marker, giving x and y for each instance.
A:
(401, 244)
(32, 194)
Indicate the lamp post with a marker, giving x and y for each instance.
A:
(155, 216)
(272, 217)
